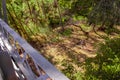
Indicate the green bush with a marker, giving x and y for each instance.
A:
(106, 65)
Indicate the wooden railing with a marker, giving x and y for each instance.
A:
(29, 64)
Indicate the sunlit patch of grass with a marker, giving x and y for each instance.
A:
(86, 27)
(78, 18)
(44, 30)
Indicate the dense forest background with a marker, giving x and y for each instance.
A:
(80, 37)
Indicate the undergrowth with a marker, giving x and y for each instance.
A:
(106, 65)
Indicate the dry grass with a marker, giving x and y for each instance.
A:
(74, 48)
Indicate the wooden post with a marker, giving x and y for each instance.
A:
(0, 10)
(4, 10)
(7, 66)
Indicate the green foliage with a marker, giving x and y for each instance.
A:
(106, 65)
(70, 72)
(67, 32)
(44, 30)
(78, 76)
(82, 7)
(65, 4)
(52, 13)
(78, 18)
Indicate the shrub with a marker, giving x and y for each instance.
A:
(106, 65)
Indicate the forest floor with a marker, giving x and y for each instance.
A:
(71, 49)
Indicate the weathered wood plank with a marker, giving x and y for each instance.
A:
(42, 62)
